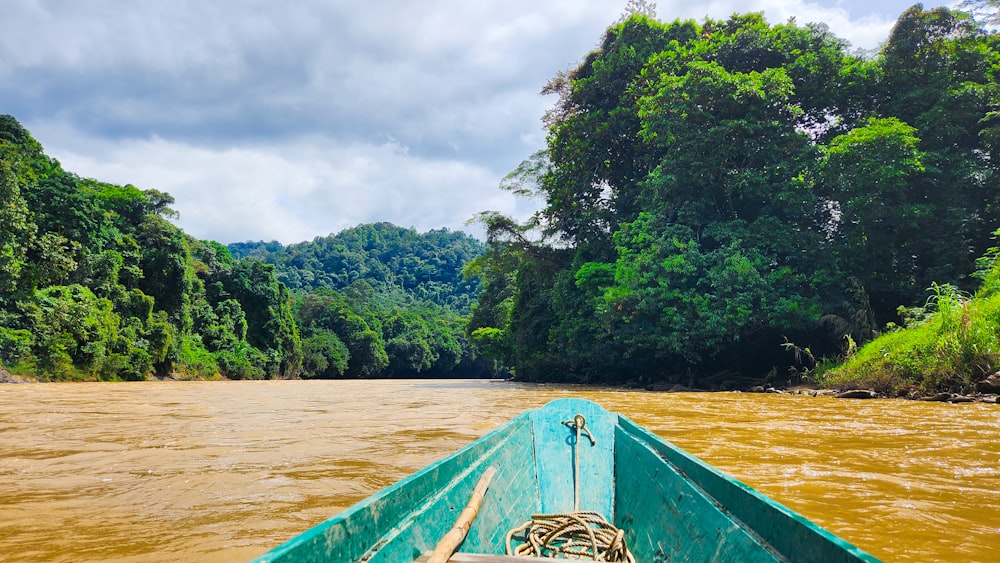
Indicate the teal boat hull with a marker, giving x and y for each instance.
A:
(671, 505)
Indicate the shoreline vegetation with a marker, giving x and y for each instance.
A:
(725, 205)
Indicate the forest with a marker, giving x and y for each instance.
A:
(380, 301)
(733, 198)
(721, 202)
(96, 283)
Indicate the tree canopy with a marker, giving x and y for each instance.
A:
(380, 300)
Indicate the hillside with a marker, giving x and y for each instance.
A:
(380, 300)
(400, 264)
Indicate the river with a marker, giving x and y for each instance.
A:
(223, 471)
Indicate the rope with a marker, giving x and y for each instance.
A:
(574, 535)
(580, 424)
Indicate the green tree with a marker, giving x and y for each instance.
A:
(879, 216)
(267, 304)
(326, 310)
(148, 295)
(73, 330)
(939, 76)
(16, 228)
(324, 356)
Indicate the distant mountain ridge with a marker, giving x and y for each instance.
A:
(379, 300)
(401, 264)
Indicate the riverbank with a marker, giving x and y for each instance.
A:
(990, 394)
(990, 398)
(7, 377)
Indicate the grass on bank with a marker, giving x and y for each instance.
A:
(953, 343)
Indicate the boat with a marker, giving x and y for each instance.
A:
(567, 459)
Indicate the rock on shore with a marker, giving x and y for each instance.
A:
(857, 394)
(990, 385)
(8, 377)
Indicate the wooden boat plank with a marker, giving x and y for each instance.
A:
(423, 528)
(385, 528)
(513, 495)
(555, 455)
(667, 517)
(477, 558)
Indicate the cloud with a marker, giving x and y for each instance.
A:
(287, 121)
(311, 187)
(217, 72)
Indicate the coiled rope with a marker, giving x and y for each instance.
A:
(573, 535)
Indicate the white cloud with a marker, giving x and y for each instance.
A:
(307, 188)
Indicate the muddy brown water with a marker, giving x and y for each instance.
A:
(223, 471)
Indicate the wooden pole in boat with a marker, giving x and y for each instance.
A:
(454, 538)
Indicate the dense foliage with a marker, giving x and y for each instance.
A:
(715, 190)
(380, 301)
(97, 284)
(400, 264)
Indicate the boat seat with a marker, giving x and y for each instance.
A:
(477, 558)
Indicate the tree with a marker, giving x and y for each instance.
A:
(269, 320)
(326, 311)
(939, 77)
(16, 229)
(324, 356)
(165, 275)
(73, 332)
(97, 284)
(879, 215)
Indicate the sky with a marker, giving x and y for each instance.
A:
(287, 121)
